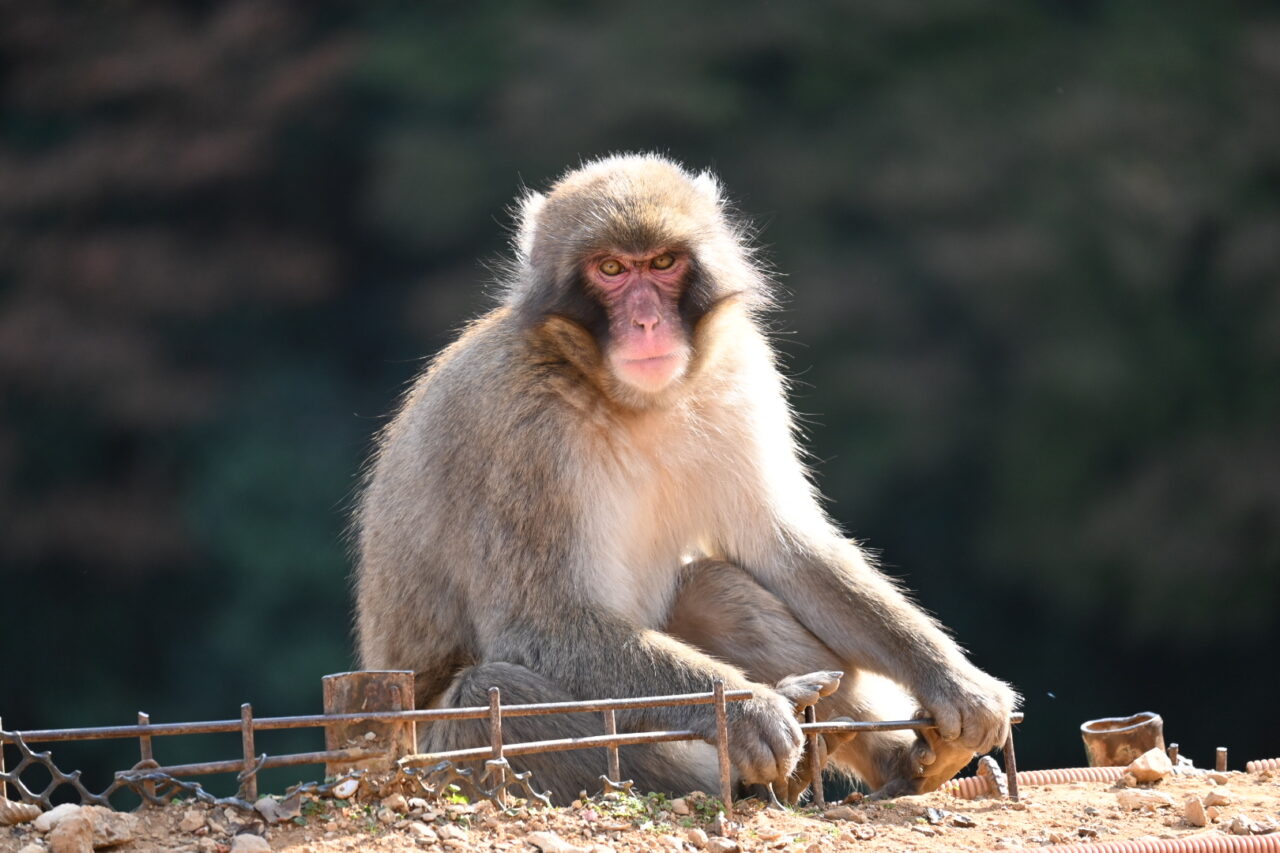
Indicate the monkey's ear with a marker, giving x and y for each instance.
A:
(709, 186)
(527, 221)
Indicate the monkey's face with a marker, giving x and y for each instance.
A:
(646, 345)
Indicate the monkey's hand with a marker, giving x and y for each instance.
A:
(807, 689)
(970, 707)
(764, 737)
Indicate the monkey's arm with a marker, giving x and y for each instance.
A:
(827, 582)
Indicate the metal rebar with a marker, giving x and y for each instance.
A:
(4, 786)
(815, 760)
(249, 785)
(833, 726)
(1011, 765)
(236, 765)
(722, 745)
(1220, 760)
(1172, 752)
(615, 762)
(426, 715)
(144, 752)
(557, 745)
(495, 739)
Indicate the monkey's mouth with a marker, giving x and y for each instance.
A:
(652, 373)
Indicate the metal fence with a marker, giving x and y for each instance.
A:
(375, 710)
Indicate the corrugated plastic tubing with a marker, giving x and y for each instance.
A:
(1207, 843)
(971, 787)
(976, 786)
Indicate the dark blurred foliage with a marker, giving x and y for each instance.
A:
(1030, 255)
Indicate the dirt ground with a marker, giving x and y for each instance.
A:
(1068, 813)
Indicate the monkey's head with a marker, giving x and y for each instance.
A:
(622, 263)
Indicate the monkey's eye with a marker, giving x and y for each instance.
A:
(663, 262)
(611, 267)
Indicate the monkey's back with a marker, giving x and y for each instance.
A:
(446, 518)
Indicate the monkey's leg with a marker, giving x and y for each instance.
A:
(724, 612)
(673, 768)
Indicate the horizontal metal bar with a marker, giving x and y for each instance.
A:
(560, 745)
(237, 764)
(427, 715)
(833, 727)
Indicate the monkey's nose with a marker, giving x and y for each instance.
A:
(646, 323)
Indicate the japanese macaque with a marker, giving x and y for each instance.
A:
(596, 492)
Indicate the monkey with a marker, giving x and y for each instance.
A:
(597, 491)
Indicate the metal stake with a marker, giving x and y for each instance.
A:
(722, 747)
(144, 750)
(815, 759)
(495, 741)
(1011, 766)
(611, 728)
(1220, 760)
(248, 787)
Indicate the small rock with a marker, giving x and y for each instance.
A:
(963, 821)
(111, 827)
(32, 848)
(249, 843)
(863, 833)
(672, 842)
(1213, 812)
(1008, 843)
(1060, 838)
(1244, 825)
(452, 832)
(549, 842)
(924, 829)
(680, 806)
(397, 803)
(1152, 766)
(1193, 811)
(418, 804)
(1128, 780)
(768, 833)
(386, 817)
(696, 837)
(1087, 831)
(208, 845)
(50, 819)
(1218, 778)
(268, 808)
(845, 813)
(346, 788)
(935, 816)
(722, 845)
(1132, 799)
(418, 829)
(72, 834)
(191, 821)
(1219, 798)
(721, 826)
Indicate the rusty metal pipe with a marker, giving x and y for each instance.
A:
(558, 745)
(317, 720)
(236, 765)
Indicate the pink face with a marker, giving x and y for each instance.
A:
(641, 295)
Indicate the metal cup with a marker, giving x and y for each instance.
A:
(1117, 741)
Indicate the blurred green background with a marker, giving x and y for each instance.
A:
(1030, 256)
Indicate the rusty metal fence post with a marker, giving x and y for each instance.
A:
(144, 752)
(495, 742)
(722, 747)
(816, 742)
(373, 690)
(615, 763)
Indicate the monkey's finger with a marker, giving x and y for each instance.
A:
(949, 721)
(807, 689)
